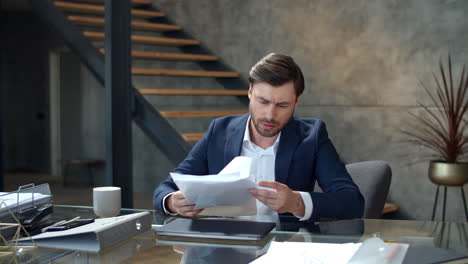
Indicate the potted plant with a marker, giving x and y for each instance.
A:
(442, 128)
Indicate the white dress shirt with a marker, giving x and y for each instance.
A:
(263, 167)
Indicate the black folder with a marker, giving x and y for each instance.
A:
(216, 229)
(433, 255)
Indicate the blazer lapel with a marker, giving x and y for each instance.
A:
(287, 146)
(235, 136)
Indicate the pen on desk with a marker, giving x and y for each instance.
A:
(392, 254)
(43, 230)
(71, 220)
(59, 223)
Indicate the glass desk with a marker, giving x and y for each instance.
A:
(445, 239)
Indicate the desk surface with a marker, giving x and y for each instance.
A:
(147, 248)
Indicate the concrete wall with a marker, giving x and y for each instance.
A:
(361, 60)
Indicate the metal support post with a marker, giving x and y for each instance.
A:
(119, 94)
(435, 203)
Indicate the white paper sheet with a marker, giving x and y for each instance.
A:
(228, 188)
(12, 200)
(301, 252)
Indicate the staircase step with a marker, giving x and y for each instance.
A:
(388, 207)
(99, 10)
(134, 2)
(191, 92)
(147, 39)
(188, 73)
(201, 113)
(192, 137)
(172, 56)
(136, 25)
(154, 55)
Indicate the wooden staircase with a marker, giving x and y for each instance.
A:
(92, 9)
(136, 25)
(88, 15)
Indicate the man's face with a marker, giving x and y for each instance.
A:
(271, 107)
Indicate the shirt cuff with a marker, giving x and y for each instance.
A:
(164, 205)
(308, 205)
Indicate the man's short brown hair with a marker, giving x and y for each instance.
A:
(277, 69)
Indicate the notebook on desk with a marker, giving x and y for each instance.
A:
(216, 229)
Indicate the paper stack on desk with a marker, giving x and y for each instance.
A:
(299, 252)
(13, 200)
(227, 191)
(26, 197)
(24, 202)
(372, 250)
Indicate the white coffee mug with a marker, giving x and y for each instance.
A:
(106, 201)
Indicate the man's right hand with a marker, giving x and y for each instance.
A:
(176, 203)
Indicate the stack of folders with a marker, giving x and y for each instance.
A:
(95, 236)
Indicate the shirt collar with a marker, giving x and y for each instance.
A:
(249, 142)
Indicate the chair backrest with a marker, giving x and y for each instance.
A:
(373, 179)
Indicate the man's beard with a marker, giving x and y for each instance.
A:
(267, 133)
(263, 132)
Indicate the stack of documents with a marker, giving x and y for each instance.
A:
(372, 250)
(27, 199)
(300, 252)
(224, 194)
(15, 199)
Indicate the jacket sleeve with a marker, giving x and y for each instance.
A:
(195, 163)
(341, 198)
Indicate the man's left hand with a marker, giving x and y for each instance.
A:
(281, 199)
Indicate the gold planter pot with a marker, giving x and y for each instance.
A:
(448, 173)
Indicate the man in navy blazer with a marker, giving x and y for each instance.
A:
(291, 154)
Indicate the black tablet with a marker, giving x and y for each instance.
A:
(216, 229)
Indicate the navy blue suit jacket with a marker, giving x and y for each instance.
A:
(305, 155)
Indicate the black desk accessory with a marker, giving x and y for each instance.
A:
(38, 215)
(39, 219)
(70, 224)
(430, 255)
